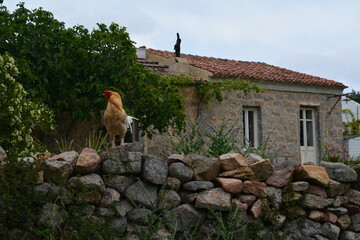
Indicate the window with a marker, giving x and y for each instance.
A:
(250, 126)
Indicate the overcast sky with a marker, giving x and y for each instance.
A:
(317, 37)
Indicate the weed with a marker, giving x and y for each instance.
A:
(64, 146)
(186, 141)
(263, 150)
(97, 141)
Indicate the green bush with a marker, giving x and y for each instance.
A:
(19, 115)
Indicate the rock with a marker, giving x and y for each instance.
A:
(122, 207)
(154, 169)
(52, 215)
(300, 229)
(216, 199)
(118, 225)
(355, 222)
(241, 206)
(330, 231)
(316, 215)
(90, 197)
(140, 215)
(181, 171)
(104, 212)
(2, 154)
(142, 193)
(205, 169)
(168, 199)
(316, 202)
(318, 237)
(187, 197)
(254, 158)
(120, 182)
(120, 153)
(340, 200)
(262, 170)
(248, 199)
(258, 189)
(60, 165)
(352, 208)
(348, 235)
(184, 218)
(280, 178)
(340, 172)
(338, 211)
(172, 184)
(88, 161)
(231, 185)
(90, 182)
(317, 190)
(275, 196)
(173, 158)
(109, 197)
(353, 196)
(197, 186)
(344, 222)
(336, 188)
(300, 186)
(330, 217)
(232, 161)
(122, 162)
(256, 208)
(244, 173)
(51, 192)
(312, 174)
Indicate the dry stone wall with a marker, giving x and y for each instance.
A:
(123, 186)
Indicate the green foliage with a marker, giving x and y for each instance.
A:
(64, 145)
(222, 139)
(186, 141)
(19, 114)
(352, 126)
(354, 95)
(263, 150)
(17, 179)
(210, 89)
(97, 141)
(68, 68)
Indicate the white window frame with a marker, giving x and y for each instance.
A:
(246, 126)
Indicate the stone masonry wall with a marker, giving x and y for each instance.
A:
(123, 185)
(279, 118)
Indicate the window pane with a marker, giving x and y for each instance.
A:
(309, 114)
(301, 114)
(301, 133)
(309, 132)
(251, 128)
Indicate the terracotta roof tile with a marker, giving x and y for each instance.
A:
(250, 70)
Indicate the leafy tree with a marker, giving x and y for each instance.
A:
(354, 95)
(19, 116)
(352, 126)
(68, 68)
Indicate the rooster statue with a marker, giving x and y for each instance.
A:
(115, 118)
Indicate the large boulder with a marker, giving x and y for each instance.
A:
(353, 196)
(121, 162)
(243, 173)
(60, 165)
(232, 161)
(184, 218)
(120, 182)
(258, 189)
(88, 161)
(336, 188)
(168, 199)
(316, 202)
(205, 169)
(330, 231)
(109, 197)
(216, 199)
(120, 152)
(142, 193)
(312, 174)
(340, 172)
(154, 169)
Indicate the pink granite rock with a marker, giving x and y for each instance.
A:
(232, 161)
(88, 161)
(256, 188)
(280, 178)
(231, 185)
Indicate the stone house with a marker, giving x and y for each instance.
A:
(298, 113)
